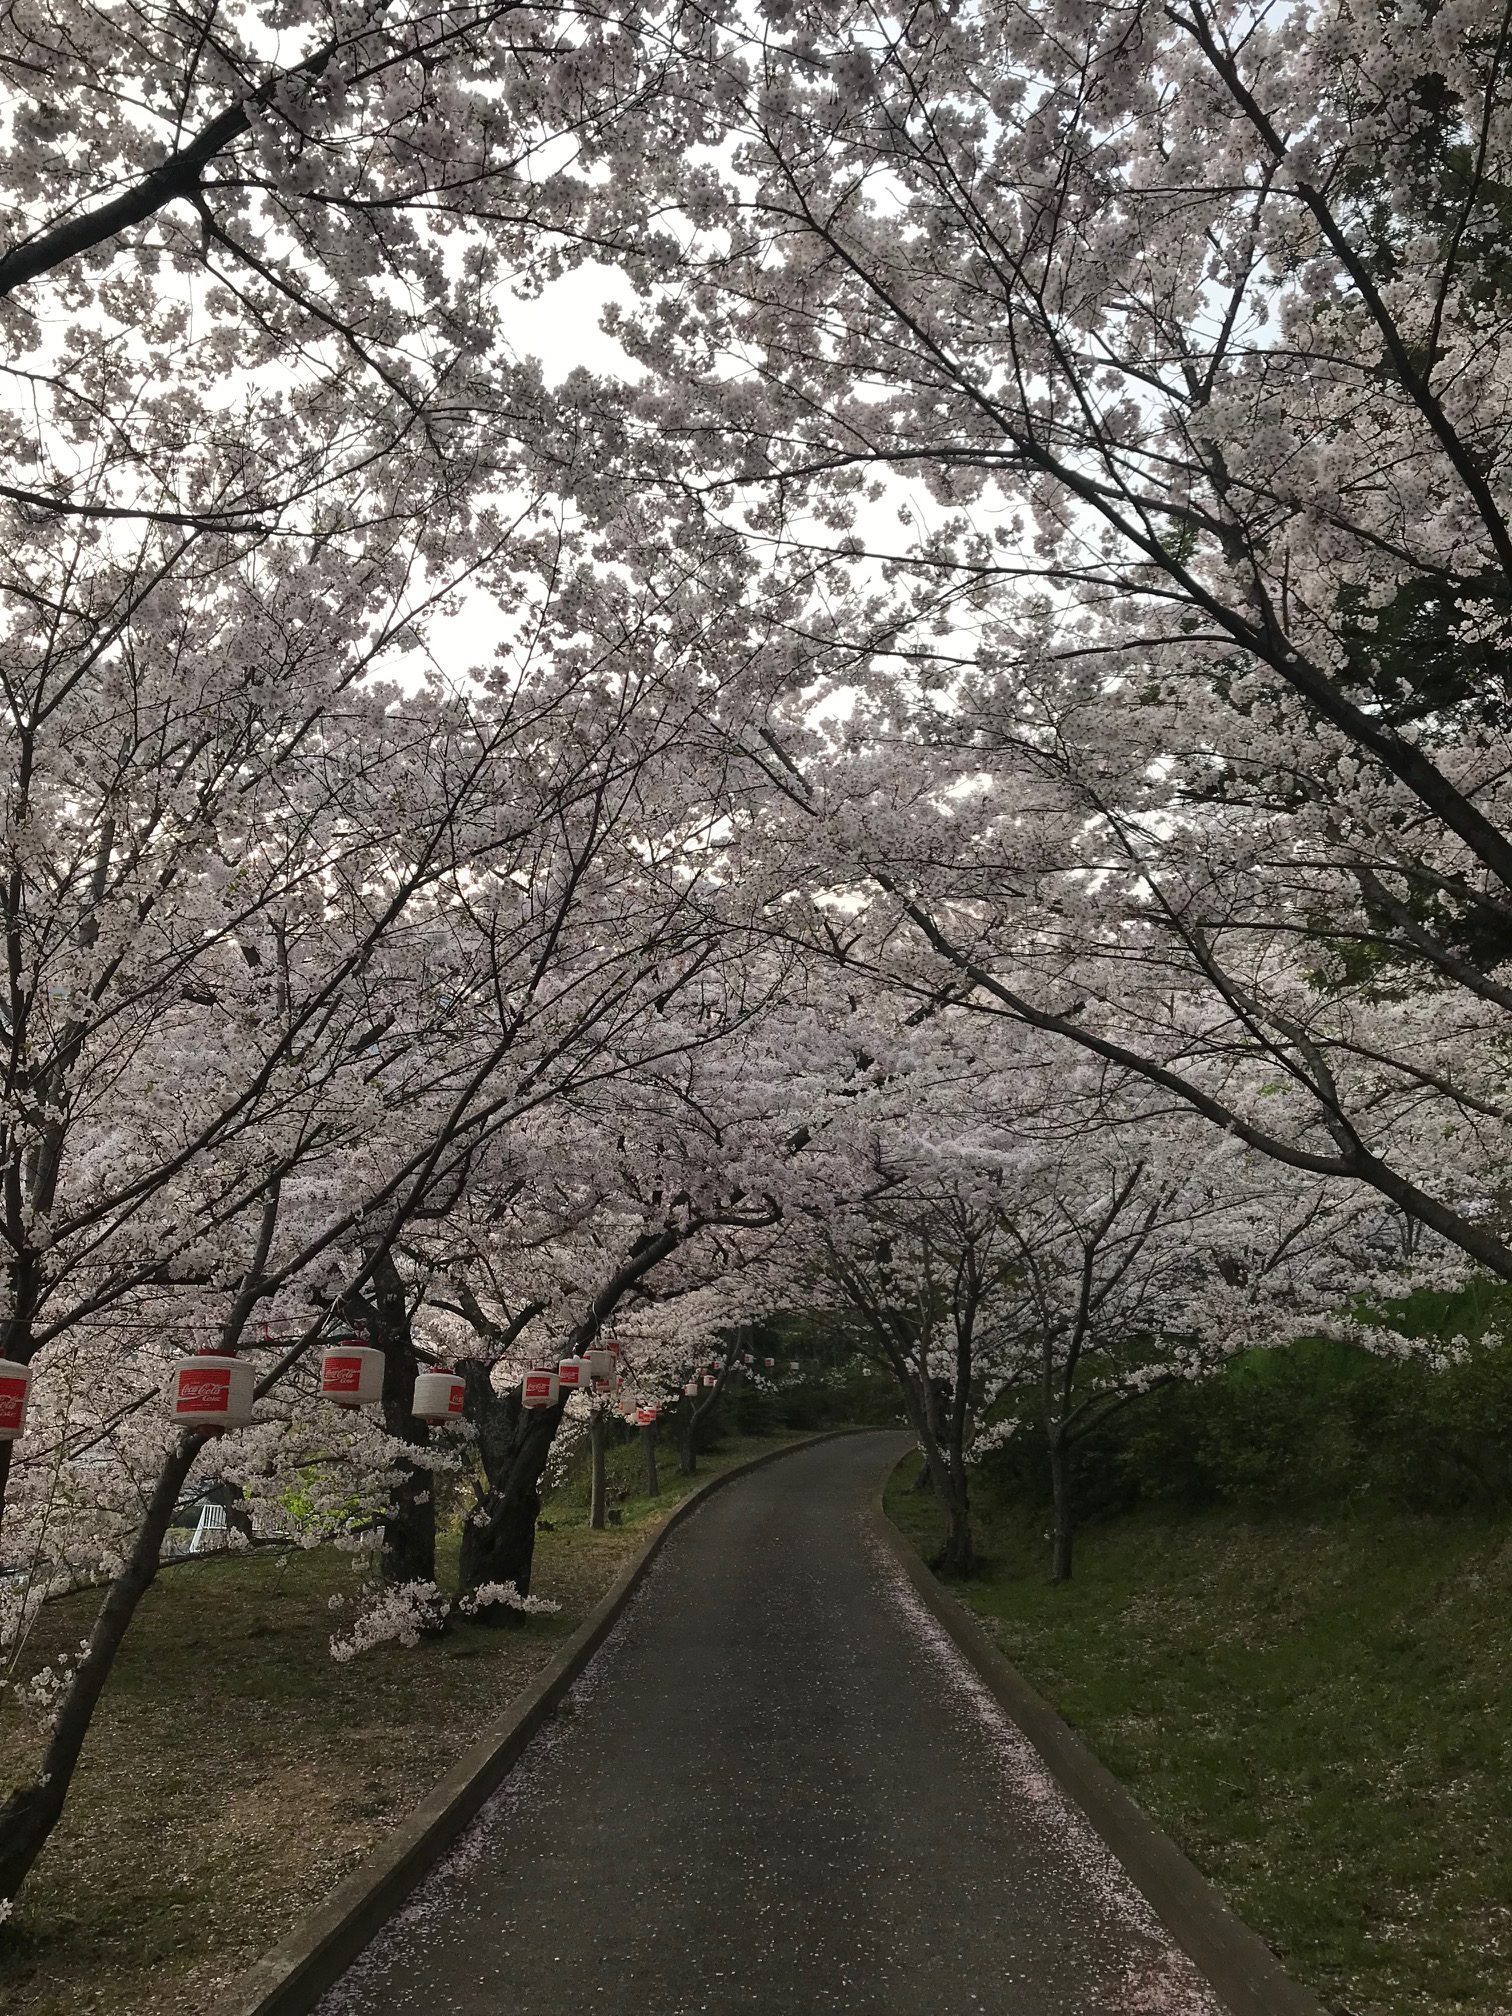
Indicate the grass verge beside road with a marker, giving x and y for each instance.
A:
(1317, 1712)
(236, 1772)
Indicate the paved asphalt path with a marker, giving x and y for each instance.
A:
(777, 1791)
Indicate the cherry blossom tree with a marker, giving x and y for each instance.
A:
(627, 1211)
(1013, 1236)
(471, 933)
(1138, 374)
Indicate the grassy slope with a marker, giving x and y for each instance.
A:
(236, 1772)
(1319, 1713)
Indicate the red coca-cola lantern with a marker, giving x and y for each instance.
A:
(15, 1397)
(644, 1416)
(572, 1375)
(439, 1395)
(690, 1391)
(541, 1386)
(351, 1374)
(711, 1378)
(211, 1389)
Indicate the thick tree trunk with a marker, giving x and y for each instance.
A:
(958, 1555)
(514, 1442)
(409, 1529)
(653, 1482)
(947, 1476)
(32, 1811)
(1060, 1496)
(501, 1548)
(687, 1454)
(409, 1526)
(598, 1503)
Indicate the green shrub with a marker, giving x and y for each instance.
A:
(1313, 1423)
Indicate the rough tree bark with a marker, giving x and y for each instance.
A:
(598, 1503)
(945, 1462)
(694, 1412)
(1060, 1498)
(653, 1482)
(408, 1552)
(32, 1811)
(514, 1445)
(947, 1474)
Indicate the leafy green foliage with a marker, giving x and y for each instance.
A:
(1313, 1425)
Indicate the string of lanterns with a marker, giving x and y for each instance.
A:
(214, 1391)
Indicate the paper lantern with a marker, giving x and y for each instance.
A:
(644, 1416)
(15, 1394)
(600, 1363)
(541, 1387)
(711, 1379)
(792, 1365)
(351, 1374)
(439, 1396)
(211, 1389)
(691, 1389)
(572, 1375)
(628, 1410)
(769, 1363)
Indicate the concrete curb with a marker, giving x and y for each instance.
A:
(1240, 1968)
(290, 1978)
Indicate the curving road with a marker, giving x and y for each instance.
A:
(777, 1790)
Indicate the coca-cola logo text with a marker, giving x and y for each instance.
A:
(209, 1391)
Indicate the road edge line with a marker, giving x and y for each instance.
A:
(1232, 1959)
(290, 1978)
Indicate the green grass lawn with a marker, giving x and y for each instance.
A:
(1319, 1711)
(236, 1772)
